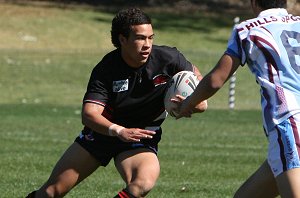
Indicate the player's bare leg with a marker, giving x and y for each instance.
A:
(289, 183)
(261, 184)
(139, 169)
(74, 166)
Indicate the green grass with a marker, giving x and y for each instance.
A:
(206, 155)
(43, 80)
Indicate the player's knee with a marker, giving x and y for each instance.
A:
(148, 185)
(142, 187)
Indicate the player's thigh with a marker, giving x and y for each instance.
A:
(74, 166)
(289, 183)
(261, 184)
(139, 164)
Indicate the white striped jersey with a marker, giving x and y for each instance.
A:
(270, 45)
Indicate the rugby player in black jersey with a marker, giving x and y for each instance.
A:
(122, 111)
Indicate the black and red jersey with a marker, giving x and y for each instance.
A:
(134, 97)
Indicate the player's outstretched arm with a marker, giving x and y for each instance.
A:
(209, 85)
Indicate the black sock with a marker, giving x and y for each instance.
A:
(124, 194)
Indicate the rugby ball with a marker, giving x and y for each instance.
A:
(182, 83)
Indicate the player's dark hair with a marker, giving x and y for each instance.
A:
(268, 4)
(122, 22)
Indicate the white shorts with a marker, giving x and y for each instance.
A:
(284, 145)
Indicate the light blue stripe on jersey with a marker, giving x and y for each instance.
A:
(270, 45)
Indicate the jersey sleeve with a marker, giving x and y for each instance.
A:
(97, 89)
(184, 64)
(234, 46)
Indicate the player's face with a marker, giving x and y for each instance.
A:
(137, 47)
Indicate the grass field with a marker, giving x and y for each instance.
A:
(46, 56)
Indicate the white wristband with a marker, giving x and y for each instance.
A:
(115, 130)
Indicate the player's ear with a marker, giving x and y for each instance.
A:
(122, 39)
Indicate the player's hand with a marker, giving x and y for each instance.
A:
(183, 107)
(199, 108)
(135, 134)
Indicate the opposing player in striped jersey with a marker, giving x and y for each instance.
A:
(270, 45)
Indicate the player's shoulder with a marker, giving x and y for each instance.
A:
(112, 56)
(164, 52)
(110, 59)
(164, 49)
(267, 17)
(107, 64)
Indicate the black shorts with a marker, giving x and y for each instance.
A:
(104, 148)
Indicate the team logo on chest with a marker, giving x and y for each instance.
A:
(160, 79)
(120, 85)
